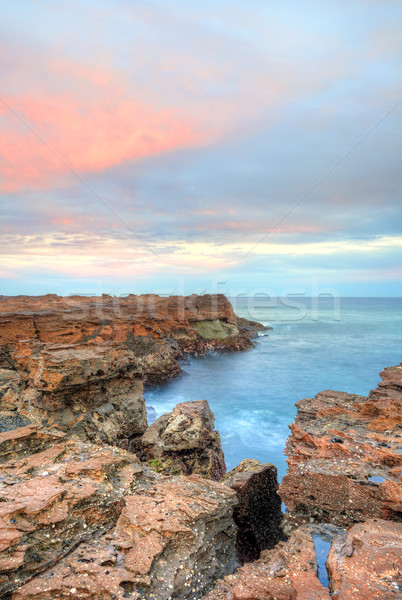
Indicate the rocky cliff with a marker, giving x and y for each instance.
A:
(80, 363)
(80, 515)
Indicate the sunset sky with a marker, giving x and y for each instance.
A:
(180, 146)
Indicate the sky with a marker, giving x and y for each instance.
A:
(191, 147)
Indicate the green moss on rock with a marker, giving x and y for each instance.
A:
(215, 330)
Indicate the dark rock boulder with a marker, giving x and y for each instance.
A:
(258, 514)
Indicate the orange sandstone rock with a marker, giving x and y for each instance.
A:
(288, 572)
(79, 363)
(173, 538)
(345, 456)
(366, 563)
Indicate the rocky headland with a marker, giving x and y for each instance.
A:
(81, 362)
(96, 504)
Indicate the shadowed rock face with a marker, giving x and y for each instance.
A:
(80, 363)
(345, 458)
(184, 441)
(258, 513)
(97, 520)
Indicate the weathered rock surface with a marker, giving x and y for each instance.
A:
(80, 363)
(345, 460)
(79, 520)
(184, 441)
(287, 572)
(172, 540)
(52, 499)
(258, 514)
(366, 563)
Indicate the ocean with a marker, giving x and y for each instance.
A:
(315, 344)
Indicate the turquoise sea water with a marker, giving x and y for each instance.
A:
(316, 344)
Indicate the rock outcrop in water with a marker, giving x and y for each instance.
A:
(345, 459)
(184, 441)
(80, 363)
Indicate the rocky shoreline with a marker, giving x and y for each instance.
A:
(99, 353)
(96, 504)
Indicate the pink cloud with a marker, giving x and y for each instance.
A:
(95, 115)
(87, 133)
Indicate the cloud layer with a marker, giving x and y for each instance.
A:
(147, 144)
